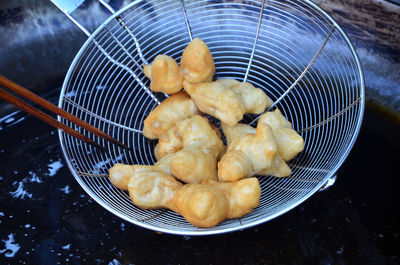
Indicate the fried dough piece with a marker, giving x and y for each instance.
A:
(165, 75)
(254, 99)
(120, 173)
(289, 142)
(228, 99)
(194, 163)
(234, 165)
(203, 205)
(175, 108)
(228, 82)
(209, 203)
(196, 145)
(153, 189)
(198, 131)
(249, 154)
(233, 134)
(243, 195)
(217, 100)
(164, 164)
(169, 142)
(279, 169)
(197, 62)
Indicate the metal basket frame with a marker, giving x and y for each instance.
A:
(167, 221)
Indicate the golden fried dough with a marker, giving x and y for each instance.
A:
(228, 82)
(165, 75)
(279, 169)
(217, 100)
(228, 99)
(194, 163)
(289, 142)
(169, 142)
(201, 146)
(243, 195)
(164, 164)
(249, 154)
(203, 205)
(198, 131)
(175, 108)
(153, 189)
(197, 63)
(254, 99)
(120, 173)
(190, 147)
(211, 202)
(233, 134)
(234, 165)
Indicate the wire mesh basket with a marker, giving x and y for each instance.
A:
(291, 49)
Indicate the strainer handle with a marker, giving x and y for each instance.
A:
(68, 6)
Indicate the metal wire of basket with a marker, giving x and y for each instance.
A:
(291, 49)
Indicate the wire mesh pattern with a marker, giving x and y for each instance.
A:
(289, 48)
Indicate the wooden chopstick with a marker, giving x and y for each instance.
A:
(53, 108)
(4, 95)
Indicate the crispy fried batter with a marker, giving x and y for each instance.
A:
(209, 203)
(175, 108)
(120, 173)
(194, 163)
(196, 130)
(169, 142)
(202, 205)
(165, 75)
(243, 195)
(250, 154)
(289, 142)
(196, 145)
(197, 62)
(153, 189)
(228, 99)
(216, 100)
(254, 99)
(189, 145)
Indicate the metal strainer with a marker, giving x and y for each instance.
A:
(291, 49)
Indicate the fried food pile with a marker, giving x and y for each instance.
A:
(196, 175)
